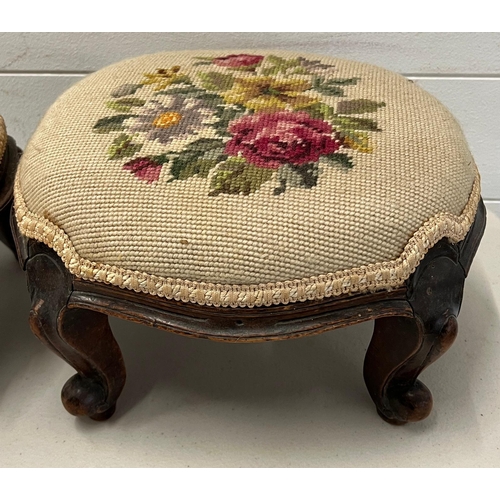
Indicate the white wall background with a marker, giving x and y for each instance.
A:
(460, 69)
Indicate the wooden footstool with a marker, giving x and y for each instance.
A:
(245, 198)
(9, 157)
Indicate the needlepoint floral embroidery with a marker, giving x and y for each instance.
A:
(270, 140)
(239, 121)
(238, 61)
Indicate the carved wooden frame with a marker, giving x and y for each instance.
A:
(414, 325)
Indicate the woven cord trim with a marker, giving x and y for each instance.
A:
(371, 278)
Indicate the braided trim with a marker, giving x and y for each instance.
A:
(371, 278)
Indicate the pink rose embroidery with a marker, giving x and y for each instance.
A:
(144, 168)
(269, 140)
(237, 60)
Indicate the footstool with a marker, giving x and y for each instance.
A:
(247, 197)
(9, 157)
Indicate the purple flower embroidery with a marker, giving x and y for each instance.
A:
(182, 118)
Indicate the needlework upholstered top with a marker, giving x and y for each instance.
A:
(245, 178)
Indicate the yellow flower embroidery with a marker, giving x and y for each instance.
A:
(168, 119)
(262, 93)
(163, 77)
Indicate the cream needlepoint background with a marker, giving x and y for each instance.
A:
(159, 174)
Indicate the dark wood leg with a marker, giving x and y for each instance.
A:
(401, 347)
(400, 350)
(81, 337)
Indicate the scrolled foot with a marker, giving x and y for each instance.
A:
(100, 417)
(409, 404)
(83, 396)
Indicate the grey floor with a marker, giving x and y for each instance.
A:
(299, 403)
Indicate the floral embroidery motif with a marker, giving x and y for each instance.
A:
(270, 140)
(239, 121)
(180, 119)
(265, 93)
(240, 61)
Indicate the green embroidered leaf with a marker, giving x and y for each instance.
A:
(332, 87)
(181, 79)
(360, 141)
(358, 106)
(300, 71)
(203, 145)
(110, 123)
(226, 114)
(342, 81)
(197, 158)
(303, 176)
(236, 176)
(341, 159)
(125, 104)
(161, 159)
(216, 81)
(296, 66)
(276, 60)
(340, 122)
(123, 147)
(200, 167)
(117, 107)
(314, 64)
(281, 65)
(320, 110)
(270, 71)
(131, 101)
(331, 91)
(353, 123)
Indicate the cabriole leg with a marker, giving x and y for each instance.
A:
(401, 347)
(81, 337)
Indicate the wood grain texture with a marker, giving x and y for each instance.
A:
(240, 324)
